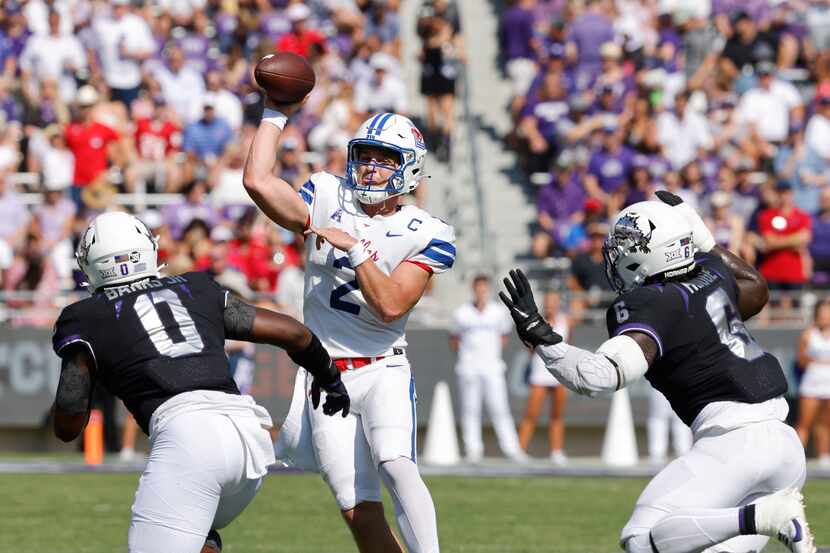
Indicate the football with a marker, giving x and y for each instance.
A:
(285, 77)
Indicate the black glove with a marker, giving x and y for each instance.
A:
(337, 398)
(668, 198)
(533, 330)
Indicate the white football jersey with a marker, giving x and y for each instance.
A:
(334, 307)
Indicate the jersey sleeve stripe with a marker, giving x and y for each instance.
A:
(444, 247)
(413, 450)
(439, 257)
(645, 329)
(76, 339)
(306, 196)
(308, 186)
(68, 340)
(423, 266)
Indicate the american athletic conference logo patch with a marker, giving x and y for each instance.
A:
(419, 138)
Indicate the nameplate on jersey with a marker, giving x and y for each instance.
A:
(146, 284)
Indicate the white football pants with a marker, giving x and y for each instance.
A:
(722, 470)
(491, 388)
(194, 481)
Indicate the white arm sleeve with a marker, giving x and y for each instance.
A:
(617, 362)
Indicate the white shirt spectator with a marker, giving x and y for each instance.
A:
(229, 190)
(360, 70)
(131, 33)
(226, 104)
(686, 9)
(181, 9)
(6, 256)
(767, 111)
(787, 92)
(9, 156)
(47, 57)
(58, 168)
(334, 119)
(181, 91)
(480, 337)
(36, 13)
(817, 135)
(682, 138)
(634, 21)
(375, 95)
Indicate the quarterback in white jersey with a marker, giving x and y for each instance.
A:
(368, 262)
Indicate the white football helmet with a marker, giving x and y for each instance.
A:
(647, 240)
(115, 248)
(394, 132)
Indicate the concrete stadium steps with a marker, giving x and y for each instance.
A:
(451, 191)
(507, 209)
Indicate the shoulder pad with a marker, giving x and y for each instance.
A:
(322, 178)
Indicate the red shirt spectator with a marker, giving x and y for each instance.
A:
(88, 142)
(300, 39)
(786, 231)
(299, 43)
(156, 139)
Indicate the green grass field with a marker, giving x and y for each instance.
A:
(89, 513)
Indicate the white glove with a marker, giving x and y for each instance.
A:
(701, 235)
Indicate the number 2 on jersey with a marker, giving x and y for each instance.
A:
(145, 308)
(335, 300)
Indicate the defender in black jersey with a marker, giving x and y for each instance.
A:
(157, 343)
(679, 321)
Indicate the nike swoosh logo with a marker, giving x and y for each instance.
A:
(390, 235)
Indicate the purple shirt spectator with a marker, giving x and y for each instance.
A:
(195, 50)
(273, 24)
(611, 169)
(566, 78)
(516, 33)
(820, 246)
(588, 33)
(758, 10)
(561, 200)
(226, 25)
(178, 216)
(548, 10)
(670, 36)
(709, 166)
(657, 165)
(548, 115)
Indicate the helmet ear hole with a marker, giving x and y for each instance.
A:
(632, 266)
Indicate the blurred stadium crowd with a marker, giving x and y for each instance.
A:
(723, 102)
(150, 106)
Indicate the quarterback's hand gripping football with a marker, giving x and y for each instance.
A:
(701, 235)
(533, 330)
(337, 398)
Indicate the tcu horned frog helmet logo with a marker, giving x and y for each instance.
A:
(628, 234)
(87, 241)
(647, 240)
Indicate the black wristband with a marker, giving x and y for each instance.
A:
(316, 360)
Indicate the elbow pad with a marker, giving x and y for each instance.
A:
(628, 357)
(618, 362)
